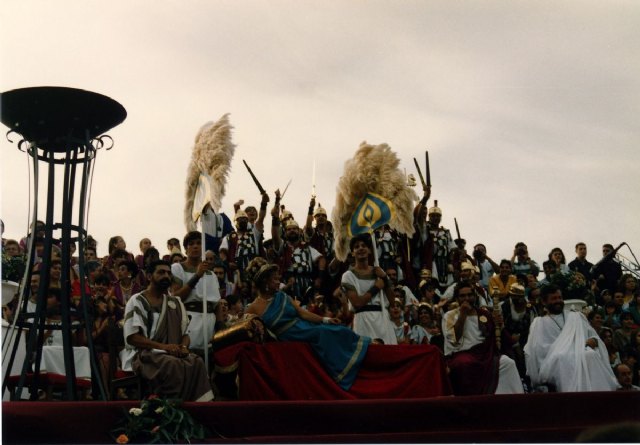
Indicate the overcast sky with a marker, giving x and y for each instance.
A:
(530, 110)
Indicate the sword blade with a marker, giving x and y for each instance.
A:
(260, 188)
(285, 189)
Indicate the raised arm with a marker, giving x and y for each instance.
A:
(426, 194)
(308, 229)
(275, 223)
(263, 212)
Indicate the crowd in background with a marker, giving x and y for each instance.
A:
(422, 271)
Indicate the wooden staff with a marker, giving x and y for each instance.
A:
(426, 155)
(496, 309)
(415, 161)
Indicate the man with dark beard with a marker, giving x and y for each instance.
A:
(156, 343)
(564, 352)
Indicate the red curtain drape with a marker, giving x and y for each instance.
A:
(291, 371)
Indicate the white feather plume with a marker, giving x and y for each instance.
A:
(373, 169)
(212, 154)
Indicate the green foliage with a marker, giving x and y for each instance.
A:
(157, 420)
(572, 284)
(13, 267)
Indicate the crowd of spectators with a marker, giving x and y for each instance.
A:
(422, 271)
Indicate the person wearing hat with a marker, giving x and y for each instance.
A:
(243, 245)
(319, 237)
(518, 314)
(421, 244)
(467, 273)
(339, 350)
(252, 213)
(428, 288)
(476, 361)
(301, 265)
(432, 243)
(443, 245)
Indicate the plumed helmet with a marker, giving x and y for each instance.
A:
(516, 289)
(467, 265)
(291, 223)
(286, 214)
(240, 214)
(319, 211)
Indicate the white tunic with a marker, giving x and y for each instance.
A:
(374, 324)
(209, 284)
(556, 353)
(138, 323)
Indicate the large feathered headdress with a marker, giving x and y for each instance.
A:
(208, 169)
(373, 169)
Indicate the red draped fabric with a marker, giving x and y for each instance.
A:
(291, 371)
(475, 371)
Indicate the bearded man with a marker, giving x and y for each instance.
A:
(156, 342)
(564, 352)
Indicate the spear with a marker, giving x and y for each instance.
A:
(415, 161)
(313, 180)
(285, 189)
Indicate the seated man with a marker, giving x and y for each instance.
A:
(563, 350)
(156, 343)
(473, 356)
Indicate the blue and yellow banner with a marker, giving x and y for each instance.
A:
(372, 212)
